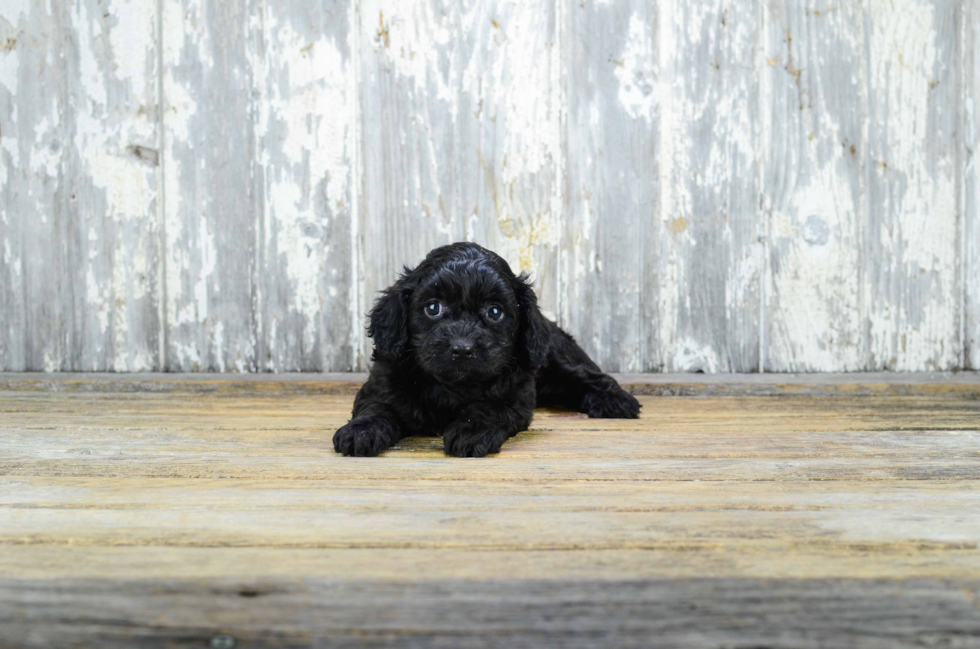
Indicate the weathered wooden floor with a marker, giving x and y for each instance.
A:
(215, 513)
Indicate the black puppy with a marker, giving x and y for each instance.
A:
(461, 350)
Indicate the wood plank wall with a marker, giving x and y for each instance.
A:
(727, 185)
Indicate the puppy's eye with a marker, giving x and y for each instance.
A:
(494, 312)
(433, 308)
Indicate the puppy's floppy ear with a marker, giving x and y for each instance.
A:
(388, 321)
(533, 336)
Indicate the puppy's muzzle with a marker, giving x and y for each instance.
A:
(462, 349)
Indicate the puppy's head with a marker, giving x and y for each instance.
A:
(462, 315)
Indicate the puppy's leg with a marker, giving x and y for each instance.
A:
(373, 428)
(366, 435)
(571, 380)
(482, 428)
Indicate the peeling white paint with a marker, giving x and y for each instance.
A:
(180, 108)
(314, 117)
(707, 162)
(914, 317)
(455, 115)
(131, 38)
(9, 67)
(118, 189)
(218, 342)
(15, 10)
(814, 186)
(817, 302)
(206, 242)
(690, 356)
(635, 72)
(97, 300)
(46, 154)
(510, 76)
(410, 35)
(970, 235)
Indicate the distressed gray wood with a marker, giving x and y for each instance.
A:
(965, 385)
(814, 185)
(710, 255)
(715, 186)
(496, 613)
(306, 138)
(610, 273)
(212, 193)
(79, 179)
(509, 149)
(111, 169)
(969, 134)
(410, 103)
(33, 333)
(911, 250)
(460, 136)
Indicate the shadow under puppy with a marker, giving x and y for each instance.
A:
(461, 350)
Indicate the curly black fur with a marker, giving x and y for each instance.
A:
(472, 368)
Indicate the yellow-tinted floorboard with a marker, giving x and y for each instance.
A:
(171, 519)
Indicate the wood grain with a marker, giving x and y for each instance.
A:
(314, 612)
(460, 137)
(306, 137)
(211, 198)
(711, 260)
(814, 186)
(410, 101)
(191, 185)
(78, 229)
(169, 518)
(610, 272)
(111, 167)
(510, 149)
(965, 385)
(885, 431)
(35, 317)
(911, 239)
(969, 132)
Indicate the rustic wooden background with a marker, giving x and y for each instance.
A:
(740, 185)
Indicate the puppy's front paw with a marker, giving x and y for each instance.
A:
(611, 404)
(466, 442)
(364, 437)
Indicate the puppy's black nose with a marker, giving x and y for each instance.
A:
(462, 349)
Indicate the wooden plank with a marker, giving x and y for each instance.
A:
(491, 515)
(111, 167)
(460, 136)
(306, 136)
(814, 184)
(235, 384)
(710, 259)
(105, 305)
(911, 242)
(610, 275)
(410, 101)
(965, 385)
(466, 133)
(970, 140)
(211, 187)
(179, 519)
(282, 565)
(312, 612)
(35, 320)
(509, 148)
(781, 439)
(78, 277)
